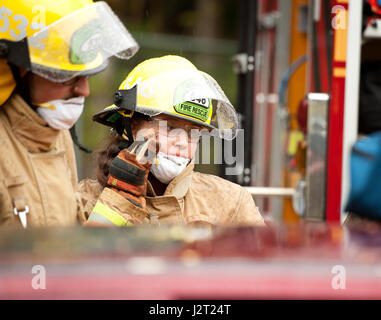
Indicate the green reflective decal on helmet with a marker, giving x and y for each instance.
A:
(199, 110)
(86, 43)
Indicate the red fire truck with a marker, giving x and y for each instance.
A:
(302, 99)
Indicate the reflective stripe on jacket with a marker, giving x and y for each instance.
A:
(37, 169)
(192, 198)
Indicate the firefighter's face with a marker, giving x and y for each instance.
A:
(42, 90)
(174, 136)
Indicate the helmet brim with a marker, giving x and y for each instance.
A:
(70, 74)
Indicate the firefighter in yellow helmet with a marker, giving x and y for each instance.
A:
(146, 172)
(47, 51)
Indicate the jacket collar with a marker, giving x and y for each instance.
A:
(29, 128)
(179, 186)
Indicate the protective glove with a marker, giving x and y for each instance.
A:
(128, 175)
(129, 171)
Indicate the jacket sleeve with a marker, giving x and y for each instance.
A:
(247, 212)
(87, 192)
(114, 210)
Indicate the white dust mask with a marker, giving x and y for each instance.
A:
(168, 167)
(61, 114)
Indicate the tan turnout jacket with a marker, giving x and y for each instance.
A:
(38, 172)
(192, 198)
(37, 169)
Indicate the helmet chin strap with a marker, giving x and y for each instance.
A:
(21, 85)
(74, 137)
(126, 133)
(126, 100)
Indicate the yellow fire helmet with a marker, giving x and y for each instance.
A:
(59, 40)
(173, 86)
